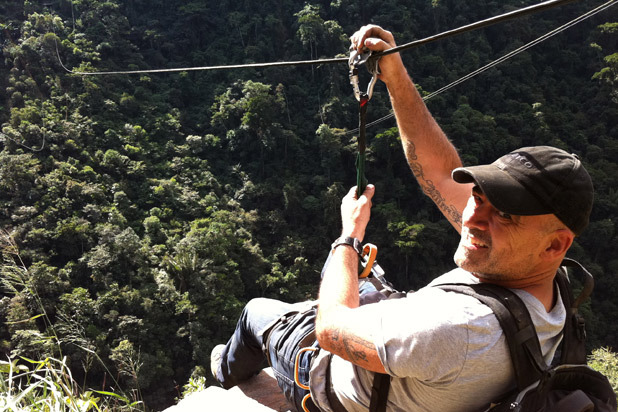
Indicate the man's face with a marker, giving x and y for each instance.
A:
(499, 246)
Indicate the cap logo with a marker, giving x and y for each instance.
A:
(518, 157)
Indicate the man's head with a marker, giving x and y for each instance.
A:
(535, 181)
(523, 214)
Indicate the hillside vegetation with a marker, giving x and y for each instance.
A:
(139, 212)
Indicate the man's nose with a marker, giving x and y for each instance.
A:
(478, 216)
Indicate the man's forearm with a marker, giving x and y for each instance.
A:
(338, 294)
(339, 286)
(340, 283)
(430, 154)
(423, 140)
(340, 327)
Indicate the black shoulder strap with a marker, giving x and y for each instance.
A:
(518, 329)
(516, 324)
(574, 338)
(379, 392)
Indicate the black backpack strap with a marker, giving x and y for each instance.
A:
(516, 324)
(518, 328)
(379, 392)
(574, 337)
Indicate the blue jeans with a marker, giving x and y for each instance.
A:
(243, 356)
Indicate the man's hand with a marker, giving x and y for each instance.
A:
(342, 327)
(355, 213)
(375, 38)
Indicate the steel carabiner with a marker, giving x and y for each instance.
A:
(355, 61)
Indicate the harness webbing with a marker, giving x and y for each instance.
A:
(361, 180)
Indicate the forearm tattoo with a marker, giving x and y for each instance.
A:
(428, 186)
(355, 348)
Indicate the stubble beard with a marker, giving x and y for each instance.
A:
(489, 264)
(480, 261)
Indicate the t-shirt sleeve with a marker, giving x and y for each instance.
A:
(424, 335)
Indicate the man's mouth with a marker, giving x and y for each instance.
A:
(477, 241)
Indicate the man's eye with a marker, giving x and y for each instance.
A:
(504, 215)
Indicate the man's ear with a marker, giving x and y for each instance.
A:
(559, 242)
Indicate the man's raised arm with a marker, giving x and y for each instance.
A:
(430, 154)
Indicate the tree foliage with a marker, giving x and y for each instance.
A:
(146, 209)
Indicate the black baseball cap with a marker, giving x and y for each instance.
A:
(535, 181)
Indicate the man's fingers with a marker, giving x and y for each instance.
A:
(369, 192)
(375, 44)
(352, 192)
(373, 37)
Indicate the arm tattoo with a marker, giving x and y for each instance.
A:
(428, 186)
(355, 348)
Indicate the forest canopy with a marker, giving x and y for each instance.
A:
(140, 212)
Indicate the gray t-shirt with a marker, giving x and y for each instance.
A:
(445, 351)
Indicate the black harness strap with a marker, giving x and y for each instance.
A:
(516, 324)
(334, 401)
(361, 180)
(574, 342)
(379, 392)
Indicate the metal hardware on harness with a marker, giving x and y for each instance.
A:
(370, 251)
(357, 59)
(297, 378)
(304, 402)
(296, 366)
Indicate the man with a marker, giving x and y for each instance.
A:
(444, 351)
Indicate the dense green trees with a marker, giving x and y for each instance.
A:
(141, 211)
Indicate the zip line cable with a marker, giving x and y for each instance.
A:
(474, 26)
(502, 59)
(477, 25)
(32, 149)
(203, 68)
